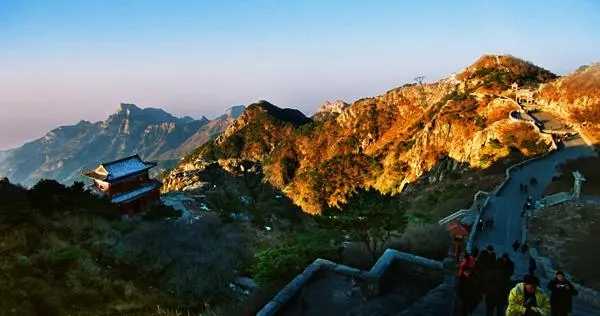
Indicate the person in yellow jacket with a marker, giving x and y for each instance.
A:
(525, 299)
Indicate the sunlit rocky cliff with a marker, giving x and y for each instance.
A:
(383, 142)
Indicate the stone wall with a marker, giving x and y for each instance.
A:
(373, 279)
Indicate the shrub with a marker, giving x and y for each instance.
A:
(44, 299)
(61, 260)
(480, 121)
(15, 207)
(283, 261)
(48, 196)
(495, 143)
(160, 211)
(427, 240)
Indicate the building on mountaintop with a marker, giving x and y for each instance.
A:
(524, 96)
(127, 183)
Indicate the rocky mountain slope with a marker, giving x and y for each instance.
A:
(576, 98)
(153, 133)
(383, 142)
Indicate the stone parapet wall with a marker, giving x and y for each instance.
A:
(372, 278)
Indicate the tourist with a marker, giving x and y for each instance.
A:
(467, 263)
(561, 298)
(475, 252)
(494, 290)
(525, 299)
(506, 265)
(533, 181)
(532, 265)
(469, 292)
(516, 245)
(507, 268)
(524, 248)
(486, 259)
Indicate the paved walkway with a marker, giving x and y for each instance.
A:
(505, 207)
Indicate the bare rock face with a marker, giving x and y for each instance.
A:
(383, 142)
(330, 108)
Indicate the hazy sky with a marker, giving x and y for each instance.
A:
(63, 61)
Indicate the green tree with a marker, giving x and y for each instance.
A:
(369, 217)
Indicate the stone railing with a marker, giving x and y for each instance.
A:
(453, 216)
(537, 124)
(372, 277)
(473, 232)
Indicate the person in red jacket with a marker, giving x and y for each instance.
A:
(468, 262)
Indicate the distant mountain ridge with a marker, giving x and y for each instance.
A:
(152, 133)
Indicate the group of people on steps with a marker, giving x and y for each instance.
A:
(484, 277)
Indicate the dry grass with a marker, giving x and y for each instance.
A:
(580, 84)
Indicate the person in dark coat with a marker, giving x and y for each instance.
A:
(561, 297)
(475, 252)
(532, 265)
(494, 290)
(516, 245)
(507, 268)
(486, 258)
(524, 247)
(468, 292)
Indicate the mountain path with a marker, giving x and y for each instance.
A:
(505, 209)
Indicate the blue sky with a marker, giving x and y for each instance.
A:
(62, 61)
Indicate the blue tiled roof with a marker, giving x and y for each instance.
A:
(136, 193)
(123, 167)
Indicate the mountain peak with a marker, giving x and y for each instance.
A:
(235, 111)
(497, 60)
(147, 115)
(124, 107)
(293, 116)
(503, 70)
